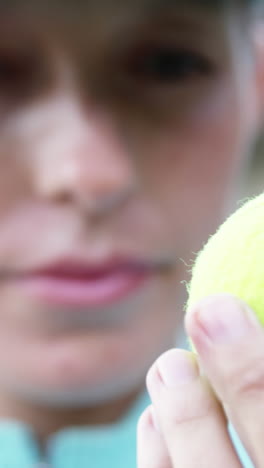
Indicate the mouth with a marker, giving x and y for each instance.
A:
(78, 284)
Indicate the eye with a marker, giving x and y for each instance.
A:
(167, 65)
(19, 74)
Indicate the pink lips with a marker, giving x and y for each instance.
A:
(76, 284)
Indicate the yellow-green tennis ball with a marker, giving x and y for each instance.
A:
(233, 259)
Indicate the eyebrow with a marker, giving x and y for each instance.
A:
(189, 10)
(204, 4)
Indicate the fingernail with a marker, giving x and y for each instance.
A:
(154, 419)
(223, 319)
(177, 366)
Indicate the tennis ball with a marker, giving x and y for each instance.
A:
(232, 261)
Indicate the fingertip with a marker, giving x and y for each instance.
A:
(145, 419)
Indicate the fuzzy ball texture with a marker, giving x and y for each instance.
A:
(232, 261)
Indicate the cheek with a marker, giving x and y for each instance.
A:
(152, 332)
(194, 165)
(13, 178)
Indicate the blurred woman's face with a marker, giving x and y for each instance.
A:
(119, 139)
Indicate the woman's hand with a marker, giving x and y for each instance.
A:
(186, 426)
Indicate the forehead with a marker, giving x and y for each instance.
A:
(78, 8)
(87, 26)
(102, 15)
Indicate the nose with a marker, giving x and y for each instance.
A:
(81, 159)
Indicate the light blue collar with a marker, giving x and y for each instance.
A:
(109, 446)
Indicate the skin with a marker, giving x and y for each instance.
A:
(191, 407)
(81, 124)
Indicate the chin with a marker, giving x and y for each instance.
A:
(74, 396)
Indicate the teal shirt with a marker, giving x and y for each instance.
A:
(112, 446)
